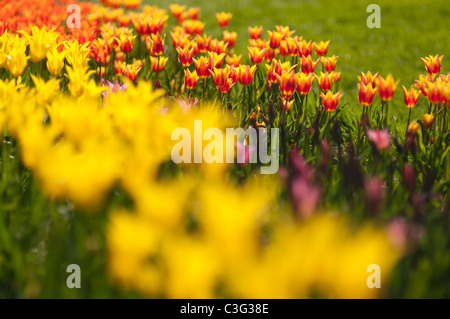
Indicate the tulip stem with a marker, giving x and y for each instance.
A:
(204, 89)
(157, 68)
(387, 114)
(241, 120)
(409, 118)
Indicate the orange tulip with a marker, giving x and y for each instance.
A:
(367, 93)
(218, 46)
(434, 91)
(308, 65)
(119, 67)
(321, 48)
(190, 79)
(202, 67)
(177, 10)
(131, 71)
(325, 80)
(284, 31)
(287, 83)
(223, 18)
(227, 86)
(203, 43)
(229, 38)
(329, 63)
(185, 56)
(289, 47)
(422, 83)
(158, 66)
(255, 32)
(275, 38)
(368, 78)
(304, 82)
(428, 120)
(256, 55)
(386, 87)
(194, 13)
(233, 74)
(234, 60)
(287, 104)
(215, 59)
(220, 76)
(193, 26)
(157, 46)
(330, 101)
(411, 96)
(305, 48)
(246, 74)
(433, 64)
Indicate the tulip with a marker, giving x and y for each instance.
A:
(185, 56)
(158, 63)
(227, 86)
(322, 48)
(220, 76)
(428, 120)
(381, 139)
(203, 43)
(325, 80)
(289, 47)
(366, 93)
(305, 48)
(386, 87)
(229, 38)
(433, 64)
(193, 26)
(434, 91)
(215, 60)
(303, 82)
(131, 71)
(55, 61)
(368, 78)
(234, 60)
(329, 63)
(287, 104)
(126, 43)
(177, 11)
(330, 101)
(17, 61)
(190, 79)
(287, 84)
(256, 55)
(275, 38)
(40, 41)
(411, 96)
(413, 129)
(194, 13)
(202, 67)
(217, 46)
(284, 31)
(157, 47)
(255, 32)
(246, 74)
(223, 18)
(308, 65)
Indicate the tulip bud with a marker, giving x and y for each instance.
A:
(413, 129)
(428, 120)
(409, 177)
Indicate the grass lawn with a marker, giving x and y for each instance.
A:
(410, 29)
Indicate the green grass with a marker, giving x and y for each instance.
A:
(410, 29)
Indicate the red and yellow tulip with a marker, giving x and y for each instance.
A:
(411, 96)
(329, 101)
